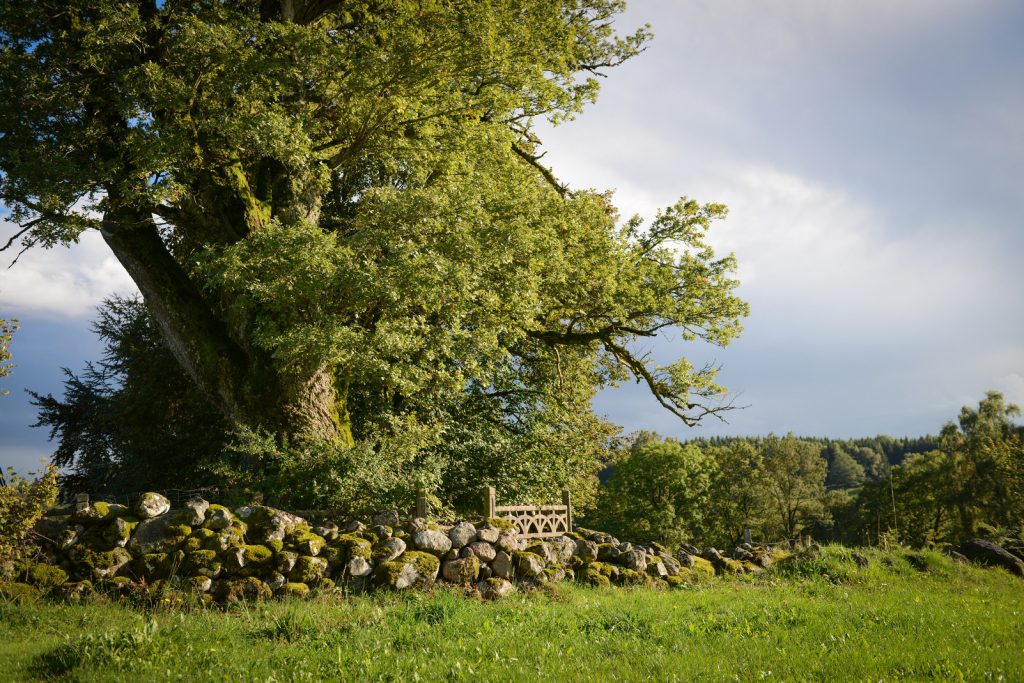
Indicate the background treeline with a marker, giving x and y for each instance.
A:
(927, 491)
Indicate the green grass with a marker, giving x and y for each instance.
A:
(908, 616)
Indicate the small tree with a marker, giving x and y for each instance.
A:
(739, 495)
(795, 477)
(843, 471)
(7, 330)
(22, 503)
(658, 492)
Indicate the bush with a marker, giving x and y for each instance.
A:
(22, 503)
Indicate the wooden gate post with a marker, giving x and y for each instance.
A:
(421, 503)
(490, 503)
(567, 502)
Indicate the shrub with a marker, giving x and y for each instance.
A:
(22, 503)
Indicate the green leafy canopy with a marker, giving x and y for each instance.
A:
(338, 217)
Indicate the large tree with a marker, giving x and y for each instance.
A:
(336, 211)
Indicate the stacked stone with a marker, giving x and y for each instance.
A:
(255, 552)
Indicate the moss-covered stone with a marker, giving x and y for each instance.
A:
(118, 532)
(308, 569)
(149, 566)
(293, 590)
(249, 588)
(604, 568)
(631, 577)
(20, 593)
(203, 562)
(45, 576)
(257, 554)
(285, 560)
(426, 565)
(180, 530)
(354, 546)
(197, 584)
(499, 523)
(675, 581)
(528, 564)
(305, 542)
(702, 568)
(275, 545)
(395, 575)
(230, 537)
(334, 556)
(729, 567)
(75, 591)
(596, 578)
(94, 565)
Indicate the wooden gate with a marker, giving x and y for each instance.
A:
(532, 521)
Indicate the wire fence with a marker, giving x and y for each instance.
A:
(178, 497)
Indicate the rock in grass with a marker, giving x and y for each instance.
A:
(292, 590)
(152, 505)
(19, 593)
(986, 552)
(358, 566)
(494, 588)
(46, 575)
(528, 564)
(395, 575)
(461, 571)
(249, 588)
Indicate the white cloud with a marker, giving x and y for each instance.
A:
(62, 281)
(1012, 386)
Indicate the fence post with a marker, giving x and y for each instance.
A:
(490, 503)
(567, 502)
(746, 536)
(421, 503)
(81, 502)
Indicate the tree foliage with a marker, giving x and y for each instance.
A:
(344, 236)
(658, 492)
(22, 502)
(7, 330)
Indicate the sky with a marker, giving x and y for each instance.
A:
(872, 156)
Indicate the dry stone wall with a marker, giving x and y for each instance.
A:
(255, 552)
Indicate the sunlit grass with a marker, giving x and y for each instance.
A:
(906, 616)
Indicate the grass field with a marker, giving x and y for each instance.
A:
(908, 616)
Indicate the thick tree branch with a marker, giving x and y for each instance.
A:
(196, 338)
(534, 160)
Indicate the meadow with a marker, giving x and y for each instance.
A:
(907, 616)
